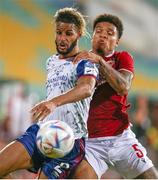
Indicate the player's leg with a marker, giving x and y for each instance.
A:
(151, 173)
(84, 171)
(14, 156)
(95, 164)
(130, 157)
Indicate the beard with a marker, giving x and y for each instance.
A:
(73, 44)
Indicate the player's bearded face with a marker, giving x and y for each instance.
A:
(66, 37)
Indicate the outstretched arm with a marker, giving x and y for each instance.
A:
(84, 89)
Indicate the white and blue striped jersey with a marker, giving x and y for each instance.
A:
(62, 76)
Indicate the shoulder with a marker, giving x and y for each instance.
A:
(52, 58)
(85, 64)
(86, 67)
(50, 62)
(124, 61)
(123, 55)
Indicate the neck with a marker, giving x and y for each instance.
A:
(103, 54)
(109, 53)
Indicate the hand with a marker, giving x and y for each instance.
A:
(42, 109)
(87, 55)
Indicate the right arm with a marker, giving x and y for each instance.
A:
(83, 89)
(87, 74)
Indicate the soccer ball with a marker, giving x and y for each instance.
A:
(55, 139)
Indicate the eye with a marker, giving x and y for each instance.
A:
(98, 30)
(110, 33)
(58, 32)
(69, 33)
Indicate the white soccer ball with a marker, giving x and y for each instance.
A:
(55, 139)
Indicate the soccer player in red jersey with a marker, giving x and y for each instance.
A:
(111, 142)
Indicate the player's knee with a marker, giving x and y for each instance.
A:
(149, 174)
(42, 176)
(3, 171)
(79, 170)
(84, 171)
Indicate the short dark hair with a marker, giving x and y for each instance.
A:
(71, 15)
(111, 19)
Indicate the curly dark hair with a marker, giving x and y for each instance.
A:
(111, 19)
(71, 15)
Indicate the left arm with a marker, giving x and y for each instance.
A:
(118, 80)
(82, 90)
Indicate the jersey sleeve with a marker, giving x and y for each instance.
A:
(87, 68)
(126, 62)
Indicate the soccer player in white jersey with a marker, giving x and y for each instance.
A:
(69, 91)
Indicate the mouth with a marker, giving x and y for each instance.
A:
(102, 42)
(62, 46)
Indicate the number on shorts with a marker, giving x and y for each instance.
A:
(139, 153)
(58, 168)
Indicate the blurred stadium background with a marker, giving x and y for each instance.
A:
(27, 40)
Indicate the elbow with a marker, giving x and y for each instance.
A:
(88, 92)
(123, 91)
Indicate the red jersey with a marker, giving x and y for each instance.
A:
(108, 111)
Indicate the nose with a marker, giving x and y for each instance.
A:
(103, 35)
(62, 37)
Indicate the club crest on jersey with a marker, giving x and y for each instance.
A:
(111, 61)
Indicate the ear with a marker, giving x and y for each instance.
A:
(117, 42)
(79, 35)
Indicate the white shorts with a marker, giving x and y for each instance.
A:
(123, 153)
